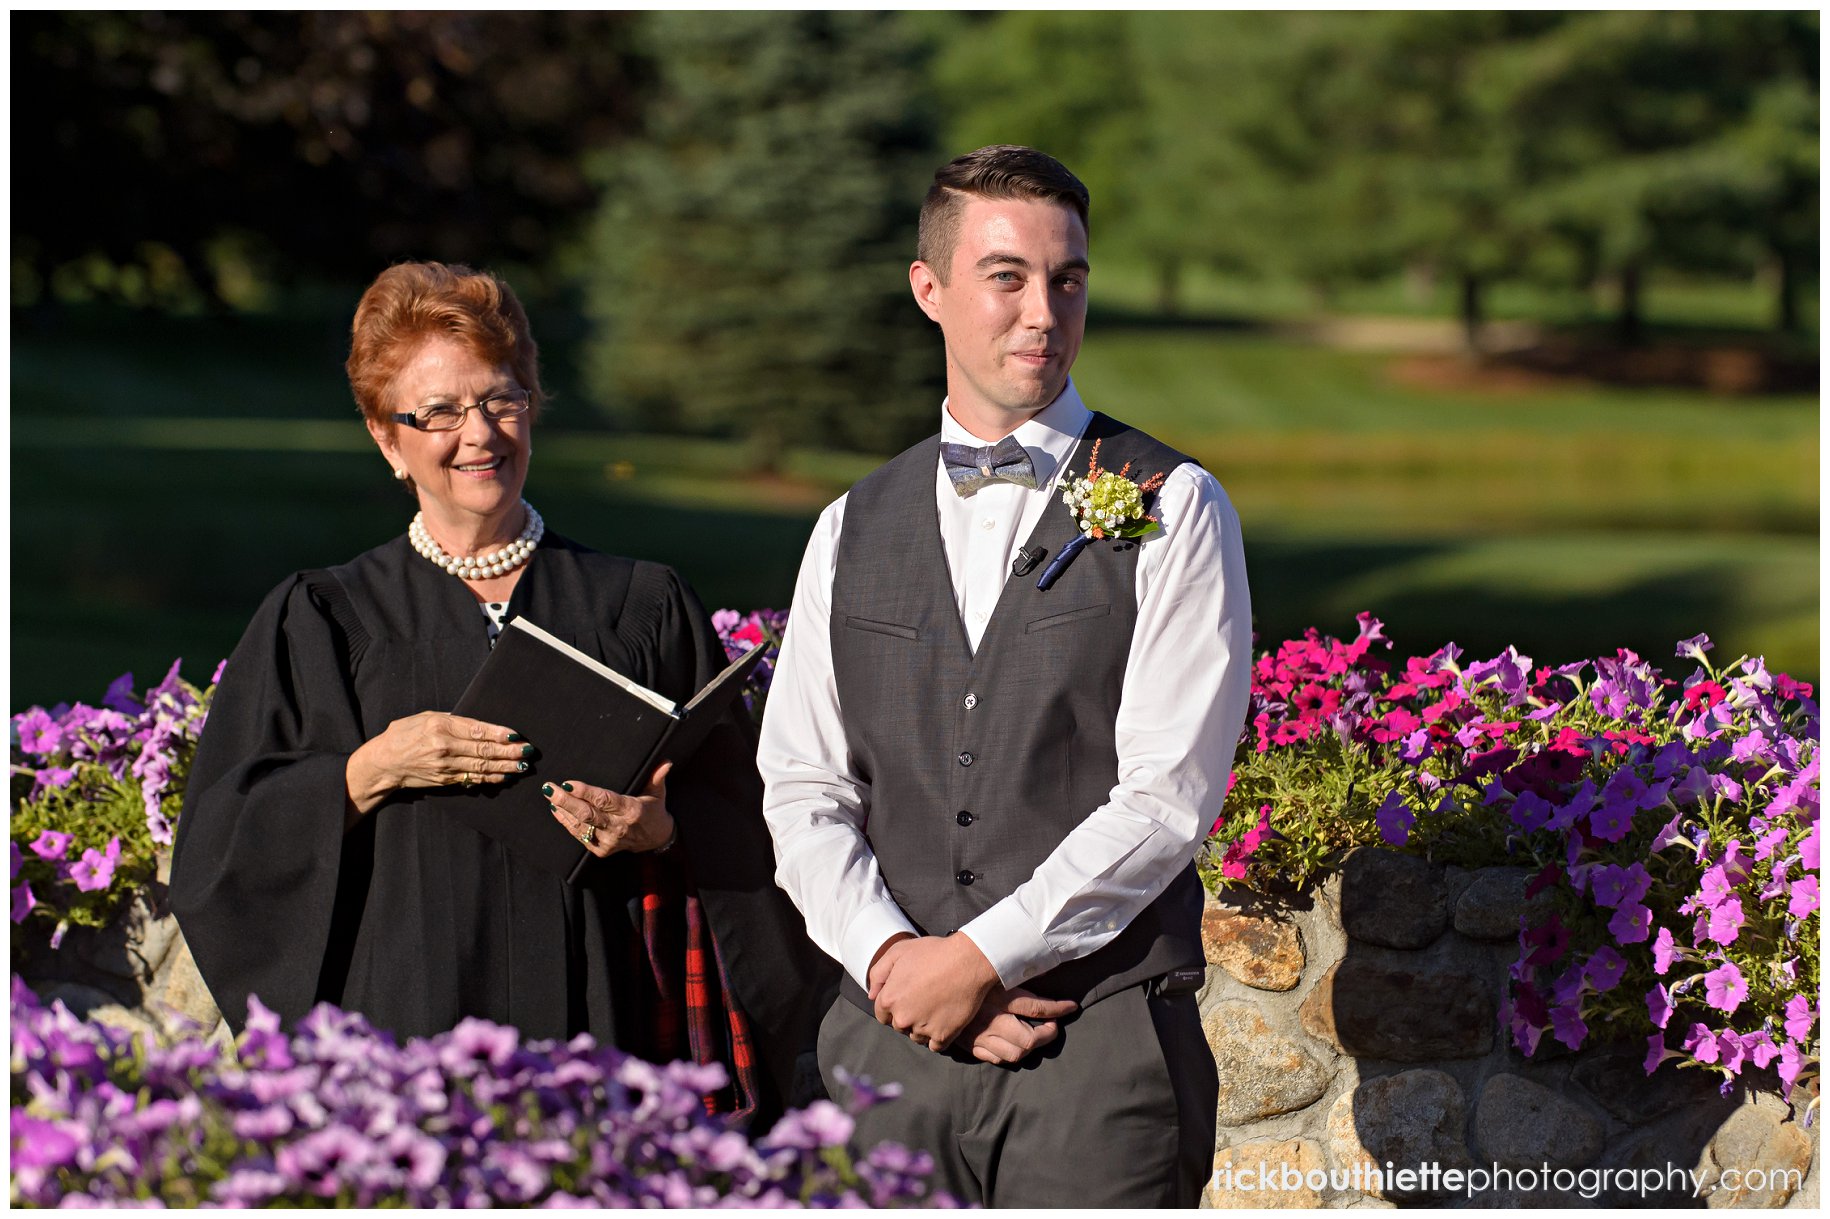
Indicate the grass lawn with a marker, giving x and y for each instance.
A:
(167, 472)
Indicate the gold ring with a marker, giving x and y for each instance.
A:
(469, 779)
(588, 835)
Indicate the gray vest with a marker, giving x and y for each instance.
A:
(980, 764)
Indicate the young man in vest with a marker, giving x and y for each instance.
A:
(987, 774)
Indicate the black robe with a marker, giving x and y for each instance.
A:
(417, 921)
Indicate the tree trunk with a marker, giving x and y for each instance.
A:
(1786, 284)
(1629, 325)
(1169, 287)
(1471, 312)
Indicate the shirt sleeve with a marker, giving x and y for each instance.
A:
(1183, 704)
(813, 802)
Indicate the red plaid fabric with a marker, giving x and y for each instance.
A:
(695, 1016)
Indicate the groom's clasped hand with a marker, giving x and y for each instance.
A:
(939, 989)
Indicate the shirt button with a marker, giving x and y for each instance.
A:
(972, 700)
(979, 615)
(965, 818)
(988, 525)
(963, 877)
(965, 759)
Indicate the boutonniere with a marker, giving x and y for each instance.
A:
(1104, 504)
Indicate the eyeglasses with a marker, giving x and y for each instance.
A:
(445, 416)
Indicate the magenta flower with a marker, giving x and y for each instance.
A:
(1807, 850)
(23, 901)
(1547, 941)
(1702, 1044)
(1631, 924)
(51, 845)
(51, 778)
(1658, 1006)
(96, 868)
(1725, 921)
(1799, 1018)
(1769, 842)
(1804, 897)
(1724, 987)
(1716, 887)
(1760, 1047)
(1791, 1065)
(1656, 1052)
(39, 735)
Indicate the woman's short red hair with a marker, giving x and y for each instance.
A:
(414, 301)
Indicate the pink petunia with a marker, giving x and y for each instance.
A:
(1799, 1018)
(1807, 850)
(1702, 1044)
(1725, 921)
(1724, 987)
(1658, 1006)
(1804, 897)
(1771, 841)
(95, 869)
(1664, 952)
(51, 845)
(1716, 886)
(1791, 1065)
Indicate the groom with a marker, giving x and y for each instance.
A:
(985, 794)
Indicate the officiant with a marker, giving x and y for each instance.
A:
(314, 860)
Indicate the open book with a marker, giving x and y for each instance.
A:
(587, 722)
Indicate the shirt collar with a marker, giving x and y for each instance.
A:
(1049, 435)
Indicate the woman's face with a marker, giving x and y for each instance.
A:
(471, 476)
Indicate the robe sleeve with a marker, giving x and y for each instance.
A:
(260, 843)
(782, 981)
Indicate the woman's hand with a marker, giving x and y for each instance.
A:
(607, 822)
(432, 749)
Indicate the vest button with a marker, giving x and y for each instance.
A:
(965, 759)
(972, 700)
(964, 877)
(965, 818)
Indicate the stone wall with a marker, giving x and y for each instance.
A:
(1359, 1023)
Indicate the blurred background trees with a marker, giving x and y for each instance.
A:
(1500, 324)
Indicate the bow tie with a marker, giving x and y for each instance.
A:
(971, 467)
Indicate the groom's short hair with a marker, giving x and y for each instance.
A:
(998, 171)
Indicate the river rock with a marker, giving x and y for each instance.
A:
(1403, 1015)
(1240, 1176)
(1616, 1079)
(1771, 1157)
(1520, 1124)
(1489, 908)
(1411, 1118)
(1264, 953)
(1262, 1073)
(1392, 900)
(185, 993)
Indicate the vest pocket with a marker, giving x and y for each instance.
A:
(882, 628)
(1067, 616)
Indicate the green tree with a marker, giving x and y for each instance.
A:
(748, 264)
(1678, 139)
(159, 149)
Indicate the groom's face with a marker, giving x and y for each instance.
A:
(1013, 305)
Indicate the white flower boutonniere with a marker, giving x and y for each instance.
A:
(1104, 504)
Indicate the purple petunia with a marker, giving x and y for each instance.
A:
(1567, 1025)
(1604, 969)
(1631, 924)
(1616, 886)
(23, 901)
(1613, 820)
(1394, 820)
(95, 869)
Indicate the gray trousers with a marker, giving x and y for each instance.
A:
(1118, 1111)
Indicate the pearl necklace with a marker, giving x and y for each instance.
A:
(481, 567)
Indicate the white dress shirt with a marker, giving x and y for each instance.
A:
(1181, 709)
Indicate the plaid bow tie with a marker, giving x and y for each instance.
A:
(971, 467)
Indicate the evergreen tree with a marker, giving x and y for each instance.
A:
(748, 265)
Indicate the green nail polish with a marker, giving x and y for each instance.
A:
(527, 751)
(513, 737)
(521, 766)
(567, 786)
(546, 789)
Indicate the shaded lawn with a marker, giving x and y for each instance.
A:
(167, 473)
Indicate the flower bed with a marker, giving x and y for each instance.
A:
(337, 1114)
(1672, 824)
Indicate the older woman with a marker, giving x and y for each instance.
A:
(313, 861)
